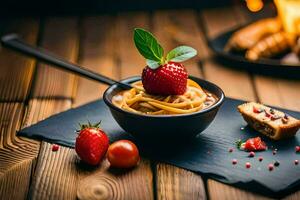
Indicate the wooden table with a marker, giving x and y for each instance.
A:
(31, 91)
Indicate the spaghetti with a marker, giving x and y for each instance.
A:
(136, 100)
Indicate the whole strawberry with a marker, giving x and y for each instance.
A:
(91, 144)
(162, 76)
(169, 79)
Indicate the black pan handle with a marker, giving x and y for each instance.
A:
(14, 42)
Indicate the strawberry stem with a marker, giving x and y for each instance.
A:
(89, 125)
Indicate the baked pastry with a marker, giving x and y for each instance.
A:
(268, 121)
(247, 37)
(270, 46)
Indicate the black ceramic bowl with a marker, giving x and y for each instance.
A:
(164, 127)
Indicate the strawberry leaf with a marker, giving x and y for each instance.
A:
(147, 45)
(152, 64)
(181, 53)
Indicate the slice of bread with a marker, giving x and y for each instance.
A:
(273, 123)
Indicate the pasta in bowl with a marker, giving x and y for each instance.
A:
(137, 100)
(147, 124)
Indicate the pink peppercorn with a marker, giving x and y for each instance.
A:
(248, 165)
(260, 159)
(274, 152)
(251, 154)
(297, 149)
(55, 147)
(230, 150)
(234, 161)
(296, 162)
(271, 167)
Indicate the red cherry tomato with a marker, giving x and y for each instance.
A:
(123, 154)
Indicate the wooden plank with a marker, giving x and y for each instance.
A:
(40, 109)
(18, 176)
(218, 190)
(130, 61)
(276, 91)
(10, 115)
(104, 182)
(237, 84)
(60, 36)
(273, 96)
(107, 183)
(17, 154)
(98, 54)
(15, 160)
(173, 29)
(56, 174)
(175, 183)
(16, 71)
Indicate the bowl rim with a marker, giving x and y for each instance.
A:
(136, 78)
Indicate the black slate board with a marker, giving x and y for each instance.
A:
(287, 65)
(207, 155)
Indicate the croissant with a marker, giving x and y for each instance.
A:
(271, 46)
(247, 37)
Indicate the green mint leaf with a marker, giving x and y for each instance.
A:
(181, 53)
(152, 64)
(147, 45)
(240, 145)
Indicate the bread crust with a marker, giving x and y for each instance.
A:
(274, 129)
(248, 36)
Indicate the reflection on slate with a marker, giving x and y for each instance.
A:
(207, 154)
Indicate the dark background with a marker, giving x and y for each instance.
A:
(55, 7)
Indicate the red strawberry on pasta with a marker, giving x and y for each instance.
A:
(168, 79)
(162, 76)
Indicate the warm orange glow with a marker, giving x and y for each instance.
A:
(254, 5)
(289, 13)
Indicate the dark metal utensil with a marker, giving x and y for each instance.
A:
(13, 41)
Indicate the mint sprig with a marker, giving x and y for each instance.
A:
(150, 48)
(147, 45)
(240, 144)
(181, 53)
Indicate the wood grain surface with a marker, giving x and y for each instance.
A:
(56, 174)
(104, 44)
(172, 30)
(253, 87)
(175, 183)
(60, 36)
(131, 63)
(97, 54)
(15, 161)
(16, 74)
(104, 182)
(231, 86)
(16, 71)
